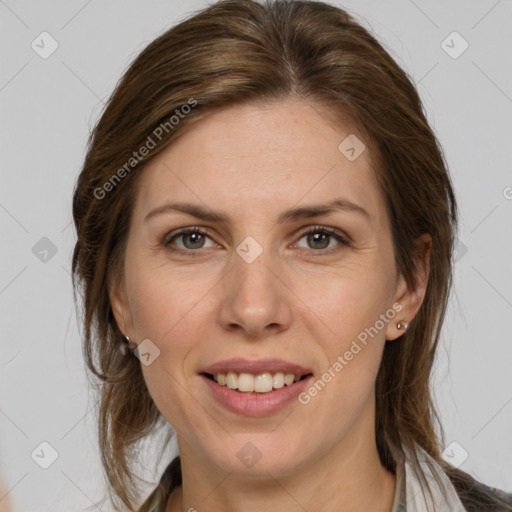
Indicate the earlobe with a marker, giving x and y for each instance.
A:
(411, 298)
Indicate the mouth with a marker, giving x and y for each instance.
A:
(264, 382)
(255, 376)
(255, 387)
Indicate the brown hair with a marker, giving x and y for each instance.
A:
(239, 51)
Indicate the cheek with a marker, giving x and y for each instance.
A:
(347, 301)
(355, 309)
(176, 403)
(170, 311)
(167, 377)
(164, 300)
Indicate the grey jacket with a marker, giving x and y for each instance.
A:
(468, 496)
(475, 493)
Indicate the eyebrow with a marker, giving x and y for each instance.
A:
(301, 212)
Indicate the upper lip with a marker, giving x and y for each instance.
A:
(240, 365)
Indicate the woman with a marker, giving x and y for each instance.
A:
(266, 220)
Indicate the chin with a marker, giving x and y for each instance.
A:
(253, 456)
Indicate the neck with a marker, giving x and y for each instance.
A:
(349, 477)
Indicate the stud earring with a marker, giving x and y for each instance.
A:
(402, 325)
(128, 346)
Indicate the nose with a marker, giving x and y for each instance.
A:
(255, 298)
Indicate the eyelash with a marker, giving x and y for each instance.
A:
(167, 241)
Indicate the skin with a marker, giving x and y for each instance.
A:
(5, 504)
(296, 301)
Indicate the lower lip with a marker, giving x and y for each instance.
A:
(256, 404)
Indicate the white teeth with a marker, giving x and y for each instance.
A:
(289, 378)
(232, 380)
(246, 382)
(262, 383)
(278, 381)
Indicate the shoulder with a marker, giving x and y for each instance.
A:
(478, 497)
(170, 479)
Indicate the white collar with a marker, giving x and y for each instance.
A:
(423, 486)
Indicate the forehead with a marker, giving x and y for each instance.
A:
(263, 158)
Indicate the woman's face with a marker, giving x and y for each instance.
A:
(293, 269)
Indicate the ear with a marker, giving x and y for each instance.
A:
(121, 308)
(411, 299)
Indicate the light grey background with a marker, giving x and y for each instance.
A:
(47, 107)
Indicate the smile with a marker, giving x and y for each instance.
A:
(261, 383)
(255, 387)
